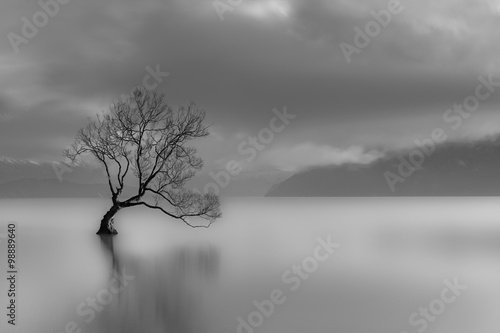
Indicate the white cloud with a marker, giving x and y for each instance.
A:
(266, 8)
(308, 155)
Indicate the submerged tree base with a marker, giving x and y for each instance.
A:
(106, 232)
(107, 227)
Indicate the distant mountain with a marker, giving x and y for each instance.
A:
(453, 169)
(12, 169)
(26, 178)
(52, 188)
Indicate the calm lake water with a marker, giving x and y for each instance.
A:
(393, 259)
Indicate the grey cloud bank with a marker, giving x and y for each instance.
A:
(239, 69)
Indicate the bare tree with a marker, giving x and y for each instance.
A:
(143, 138)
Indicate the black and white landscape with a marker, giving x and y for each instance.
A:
(249, 166)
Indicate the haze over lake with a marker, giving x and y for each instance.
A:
(394, 256)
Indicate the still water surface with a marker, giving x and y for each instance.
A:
(393, 259)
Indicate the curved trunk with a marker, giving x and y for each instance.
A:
(107, 222)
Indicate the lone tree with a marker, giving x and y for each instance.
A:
(141, 137)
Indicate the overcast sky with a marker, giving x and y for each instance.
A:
(264, 54)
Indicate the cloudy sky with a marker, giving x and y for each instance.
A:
(263, 55)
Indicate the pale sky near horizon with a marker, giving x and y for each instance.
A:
(265, 54)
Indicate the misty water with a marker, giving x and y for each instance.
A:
(393, 259)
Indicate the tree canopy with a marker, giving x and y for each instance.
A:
(142, 137)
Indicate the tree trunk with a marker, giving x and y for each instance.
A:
(107, 222)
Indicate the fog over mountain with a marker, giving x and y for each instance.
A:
(453, 169)
(29, 178)
(53, 188)
(15, 169)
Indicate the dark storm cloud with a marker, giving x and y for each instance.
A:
(428, 58)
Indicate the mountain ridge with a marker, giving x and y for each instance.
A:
(453, 169)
